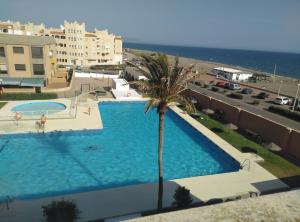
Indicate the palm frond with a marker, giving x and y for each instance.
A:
(189, 106)
(151, 103)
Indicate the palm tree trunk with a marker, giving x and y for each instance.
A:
(160, 160)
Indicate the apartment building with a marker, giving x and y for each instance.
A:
(74, 45)
(16, 28)
(26, 60)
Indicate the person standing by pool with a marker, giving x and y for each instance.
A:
(43, 122)
(89, 110)
(18, 116)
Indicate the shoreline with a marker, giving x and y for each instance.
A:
(259, 68)
(288, 86)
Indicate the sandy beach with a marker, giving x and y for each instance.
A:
(288, 84)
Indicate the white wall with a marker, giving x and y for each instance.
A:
(120, 85)
(94, 75)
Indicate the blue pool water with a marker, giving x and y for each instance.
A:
(39, 108)
(123, 153)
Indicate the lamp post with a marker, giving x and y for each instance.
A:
(280, 87)
(296, 97)
(274, 73)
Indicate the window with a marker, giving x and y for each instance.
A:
(38, 69)
(20, 67)
(3, 69)
(37, 52)
(63, 37)
(2, 52)
(19, 50)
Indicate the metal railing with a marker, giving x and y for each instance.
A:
(6, 201)
(246, 164)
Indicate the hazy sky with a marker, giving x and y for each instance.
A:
(246, 24)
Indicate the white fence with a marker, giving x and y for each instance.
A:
(95, 75)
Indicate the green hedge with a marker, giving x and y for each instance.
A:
(235, 96)
(256, 102)
(285, 112)
(27, 96)
(215, 89)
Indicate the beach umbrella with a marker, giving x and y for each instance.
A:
(273, 147)
(231, 126)
(208, 111)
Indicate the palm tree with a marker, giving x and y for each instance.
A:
(164, 87)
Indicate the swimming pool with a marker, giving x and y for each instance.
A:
(39, 108)
(123, 153)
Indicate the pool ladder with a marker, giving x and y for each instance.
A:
(3, 146)
(246, 164)
(7, 200)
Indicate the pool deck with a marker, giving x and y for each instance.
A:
(60, 121)
(138, 198)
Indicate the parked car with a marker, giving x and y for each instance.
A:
(234, 86)
(281, 100)
(297, 107)
(221, 84)
(247, 91)
(262, 95)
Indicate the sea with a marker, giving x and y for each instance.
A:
(287, 64)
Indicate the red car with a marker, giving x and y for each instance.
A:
(221, 84)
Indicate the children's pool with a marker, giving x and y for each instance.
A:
(39, 108)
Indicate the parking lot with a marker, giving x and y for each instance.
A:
(246, 103)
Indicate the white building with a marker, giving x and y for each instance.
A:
(74, 45)
(121, 90)
(232, 74)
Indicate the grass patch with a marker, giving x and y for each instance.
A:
(274, 163)
(2, 104)
(27, 96)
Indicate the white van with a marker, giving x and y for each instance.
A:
(281, 100)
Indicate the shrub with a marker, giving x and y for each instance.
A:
(182, 197)
(219, 114)
(27, 96)
(215, 89)
(197, 83)
(61, 211)
(255, 102)
(285, 112)
(236, 96)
